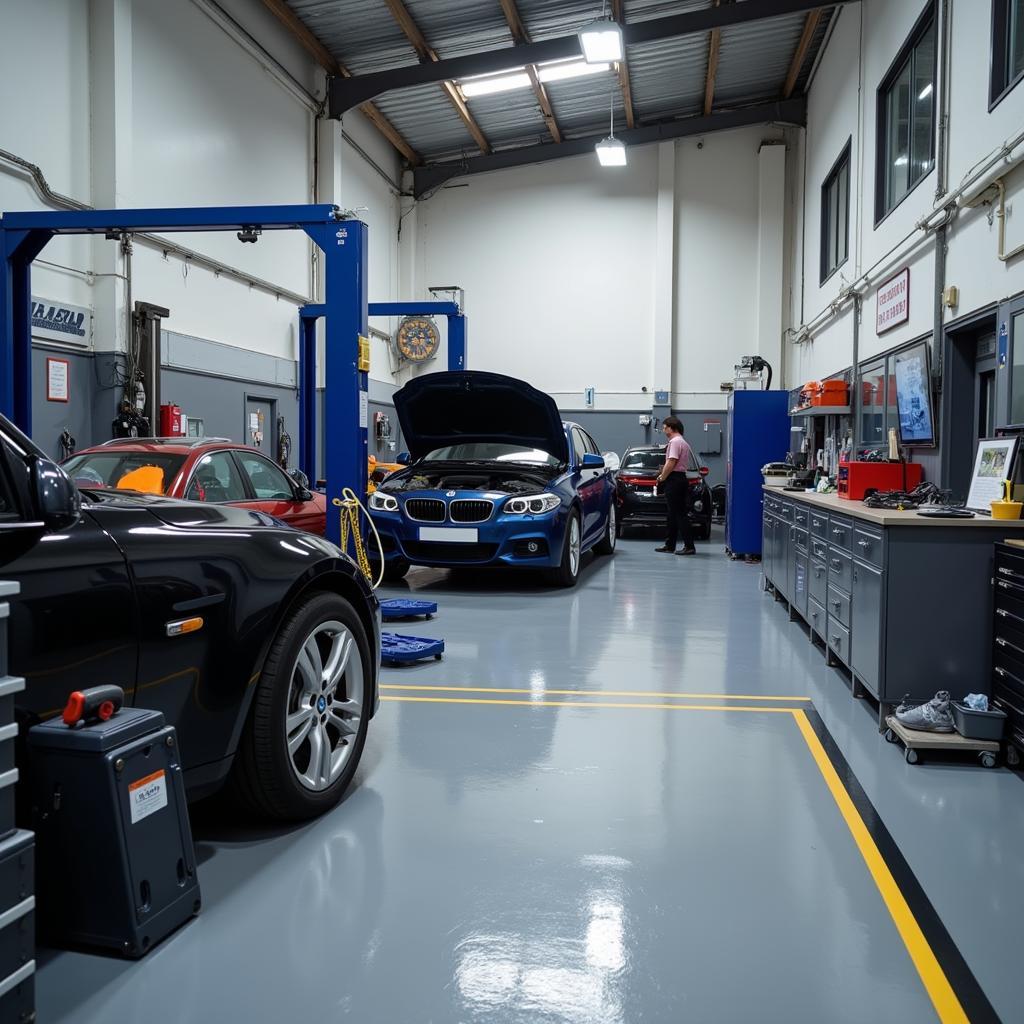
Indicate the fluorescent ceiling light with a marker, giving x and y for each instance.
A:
(925, 92)
(487, 85)
(507, 81)
(560, 70)
(611, 152)
(601, 42)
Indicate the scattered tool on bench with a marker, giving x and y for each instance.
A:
(403, 608)
(396, 649)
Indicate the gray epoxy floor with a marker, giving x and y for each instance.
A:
(551, 861)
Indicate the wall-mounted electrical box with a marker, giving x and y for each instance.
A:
(645, 421)
(711, 438)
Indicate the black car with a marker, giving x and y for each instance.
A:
(259, 643)
(640, 506)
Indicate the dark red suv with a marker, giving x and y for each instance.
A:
(210, 469)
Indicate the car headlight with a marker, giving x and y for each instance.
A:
(381, 502)
(532, 504)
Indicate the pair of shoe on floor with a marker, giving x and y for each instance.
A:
(691, 550)
(933, 716)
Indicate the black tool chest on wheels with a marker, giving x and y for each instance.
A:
(1008, 644)
(17, 890)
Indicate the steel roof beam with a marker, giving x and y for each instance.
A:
(350, 92)
(622, 69)
(800, 53)
(333, 66)
(432, 176)
(521, 36)
(428, 55)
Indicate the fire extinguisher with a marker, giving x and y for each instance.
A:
(170, 420)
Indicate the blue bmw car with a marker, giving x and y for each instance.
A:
(494, 478)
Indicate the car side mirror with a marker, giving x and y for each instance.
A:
(300, 478)
(404, 459)
(592, 461)
(55, 498)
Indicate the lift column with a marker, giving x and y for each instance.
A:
(346, 398)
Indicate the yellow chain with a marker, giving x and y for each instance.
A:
(349, 513)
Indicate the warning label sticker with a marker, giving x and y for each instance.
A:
(147, 795)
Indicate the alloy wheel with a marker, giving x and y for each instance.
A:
(325, 705)
(612, 533)
(574, 545)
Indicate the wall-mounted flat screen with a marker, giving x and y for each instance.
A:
(914, 396)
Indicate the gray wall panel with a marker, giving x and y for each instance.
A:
(617, 431)
(50, 418)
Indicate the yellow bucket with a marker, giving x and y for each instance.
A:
(1006, 509)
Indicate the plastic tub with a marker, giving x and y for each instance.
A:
(978, 725)
(1006, 509)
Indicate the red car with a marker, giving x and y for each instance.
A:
(201, 469)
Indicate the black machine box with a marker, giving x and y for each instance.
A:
(116, 863)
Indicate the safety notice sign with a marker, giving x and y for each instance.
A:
(147, 795)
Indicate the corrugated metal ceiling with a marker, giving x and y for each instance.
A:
(667, 76)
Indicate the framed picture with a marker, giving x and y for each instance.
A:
(993, 464)
(58, 380)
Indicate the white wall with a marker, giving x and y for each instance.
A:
(717, 261)
(206, 123)
(44, 118)
(842, 105)
(558, 263)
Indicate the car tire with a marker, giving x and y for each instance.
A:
(705, 531)
(395, 570)
(266, 775)
(568, 570)
(620, 526)
(606, 545)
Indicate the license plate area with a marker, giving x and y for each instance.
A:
(449, 534)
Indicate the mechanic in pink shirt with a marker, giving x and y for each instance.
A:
(672, 482)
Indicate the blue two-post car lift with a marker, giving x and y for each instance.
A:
(310, 314)
(23, 236)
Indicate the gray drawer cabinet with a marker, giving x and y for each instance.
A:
(906, 608)
(868, 615)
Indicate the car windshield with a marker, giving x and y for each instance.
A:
(653, 458)
(151, 472)
(479, 451)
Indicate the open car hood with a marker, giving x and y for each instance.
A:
(440, 409)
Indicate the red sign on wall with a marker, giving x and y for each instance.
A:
(892, 302)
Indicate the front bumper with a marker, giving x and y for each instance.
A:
(518, 541)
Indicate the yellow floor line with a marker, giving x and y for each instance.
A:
(587, 693)
(932, 976)
(580, 704)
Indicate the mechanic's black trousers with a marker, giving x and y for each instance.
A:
(677, 495)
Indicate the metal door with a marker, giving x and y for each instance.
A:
(866, 625)
(259, 425)
(767, 531)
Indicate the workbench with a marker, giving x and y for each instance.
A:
(903, 602)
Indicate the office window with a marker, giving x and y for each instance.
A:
(1007, 47)
(906, 118)
(835, 216)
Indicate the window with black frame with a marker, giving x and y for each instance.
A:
(835, 216)
(1007, 65)
(906, 118)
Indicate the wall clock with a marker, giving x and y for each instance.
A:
(417, 339)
